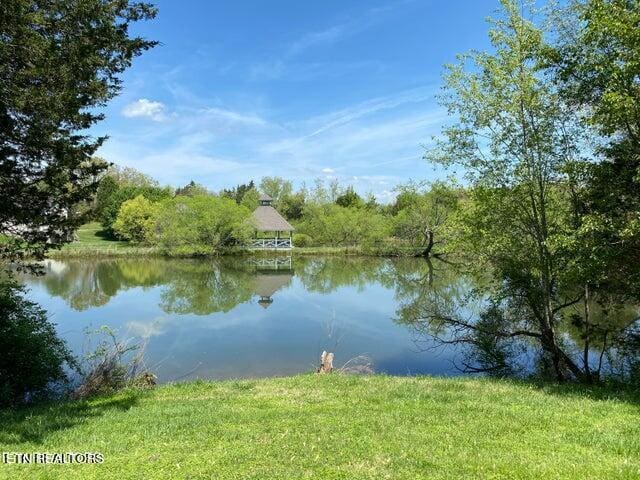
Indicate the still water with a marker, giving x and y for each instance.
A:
(251, 316)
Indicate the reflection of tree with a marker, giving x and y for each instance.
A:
(189, 286)
(92, 283)
(326, 274)
(207, 287)
(428, 291)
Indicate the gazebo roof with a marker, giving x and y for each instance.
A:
(267, 219)
(265, 198)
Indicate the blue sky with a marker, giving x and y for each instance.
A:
(304, 90)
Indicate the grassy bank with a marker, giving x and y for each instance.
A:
(337, 427)
(91, 241)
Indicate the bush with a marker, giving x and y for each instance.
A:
(136, 219)
(344, 227)
(200, 225)
(112, 204)
(32, 358)
(302, 240)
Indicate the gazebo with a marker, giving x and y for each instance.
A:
(272, 230)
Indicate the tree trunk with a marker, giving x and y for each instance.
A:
(428, 233)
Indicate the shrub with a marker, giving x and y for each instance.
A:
(136, 219)
(339, 226)
(200, 225)
(302, 240)
(33, 358)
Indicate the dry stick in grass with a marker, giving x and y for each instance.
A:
(326, 363)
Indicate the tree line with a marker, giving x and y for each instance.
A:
(190, 220)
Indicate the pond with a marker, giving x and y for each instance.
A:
(251, 316)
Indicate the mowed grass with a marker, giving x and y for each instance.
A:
(336, 426)
(91, 240)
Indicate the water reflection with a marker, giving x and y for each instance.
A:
(256, 316)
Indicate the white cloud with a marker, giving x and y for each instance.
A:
(145, 108)
(328, 170)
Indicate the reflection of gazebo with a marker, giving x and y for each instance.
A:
(269, 283)
(267, 220)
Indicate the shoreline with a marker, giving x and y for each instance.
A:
(79, 251)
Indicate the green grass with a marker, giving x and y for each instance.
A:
(337, 426)
(92, 241)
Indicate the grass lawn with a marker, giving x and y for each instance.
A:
(336, 426)
(93, 241)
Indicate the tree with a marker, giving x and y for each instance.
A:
(292, 206)
(596, 66)
(191, 189)
(350, 199)
(33, 357)
(200, 225)
(250, 199)
(423, 217)
(59, 62)
(515, 139)
(136, 219)
(128, 192)
(335, 225)
(237, 193)
(277, 188)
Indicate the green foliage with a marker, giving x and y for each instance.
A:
(129, 192)
(277, 188)
(33, 359)
(597, 68)
(59, 62)
(515, 139)
(292, 206)
(350, 199)
(424, 217)
(136, 219)
(237, 193)
(339, 226)
(192, 188)
(250, 199)
(200, 225)
(302, 240)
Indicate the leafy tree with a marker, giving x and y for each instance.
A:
(596, 65)
(59, 61)
(130, 177)
(129, 192)
(277, 188)
(250, 199)
(136, 219)
(200, 225)
(237, 193)
(424, 218)
(515, 139)
(192, 188)
(350, 199)
(339, 226)
(107, 188)
(33, 357)
(292, 206)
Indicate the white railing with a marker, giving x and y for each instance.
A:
(270, 243)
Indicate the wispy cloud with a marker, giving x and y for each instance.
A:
(145, 108)
(370, 144)
(343, 30)
(290, 62)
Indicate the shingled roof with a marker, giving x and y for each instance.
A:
(267, 219)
